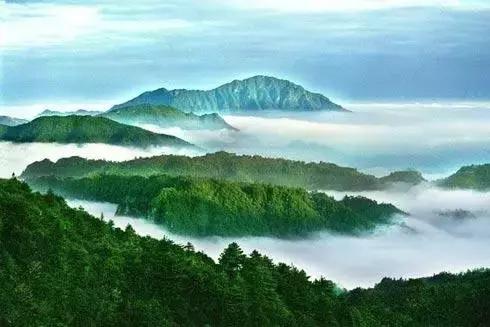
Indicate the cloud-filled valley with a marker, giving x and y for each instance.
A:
(377, 138)
(446, 230)
(428, 241)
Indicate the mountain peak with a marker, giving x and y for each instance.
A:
(258, 92)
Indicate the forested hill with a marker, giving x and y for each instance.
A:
(86, 129)
(222, 165)
(475, 177)
(165, 116)
(251, 94)
(60, 266)
(207, 207)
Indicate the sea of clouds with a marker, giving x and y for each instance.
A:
(426, 242)
(436, 139)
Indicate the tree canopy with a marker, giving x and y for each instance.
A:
(60, 266)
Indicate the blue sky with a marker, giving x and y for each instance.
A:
(351, 50)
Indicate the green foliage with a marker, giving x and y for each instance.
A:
(62, 267)
(411, 177)
(198, 206)
(476, 177)
(165, 116)
(3, 129)
(220, 165)
(86, 129)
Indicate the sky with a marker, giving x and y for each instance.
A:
(97, 53)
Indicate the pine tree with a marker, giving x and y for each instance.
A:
(232, 259)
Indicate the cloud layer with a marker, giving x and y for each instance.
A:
(420, 245)
(434, 138)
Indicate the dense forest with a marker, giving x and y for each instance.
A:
(165, 116)
(61, 266)
(203, 206)
(86, 129)
(223, 165)
(476, 177)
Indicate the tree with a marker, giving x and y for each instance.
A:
(232, 259)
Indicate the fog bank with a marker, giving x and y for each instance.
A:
(436, 139)
(429, 241)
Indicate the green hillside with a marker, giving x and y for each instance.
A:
(222, 165)
(410, 177)
(205, 207)
(86, 129)
(475, 177)
(63, 267)
(165, 116)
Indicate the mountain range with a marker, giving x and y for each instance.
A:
(79, 112)
(251, 94)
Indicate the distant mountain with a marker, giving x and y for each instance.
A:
(475, 177)
(11, 121)
(79, 112)
(165, 116)
(86, 129)
(410, 177)
(251, 94)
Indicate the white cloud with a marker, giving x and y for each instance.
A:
(42, 25)
(423, 244)
(294, 6)
(37, 25)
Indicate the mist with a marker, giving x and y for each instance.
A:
(436, 139)
(428, 241)
(14, 157)
(446, 230)
(377, 138)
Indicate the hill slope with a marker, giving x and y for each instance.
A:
(63, 267)
(165, 116)
(86, 129)
(208, 207)
(254, 93)
(222, 165)
(476, 177)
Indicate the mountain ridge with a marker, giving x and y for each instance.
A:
(11, 121)
(79, 112)
(85, 129)
(166, 116)
(472, 177)
(255, 93)
(226, 166)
